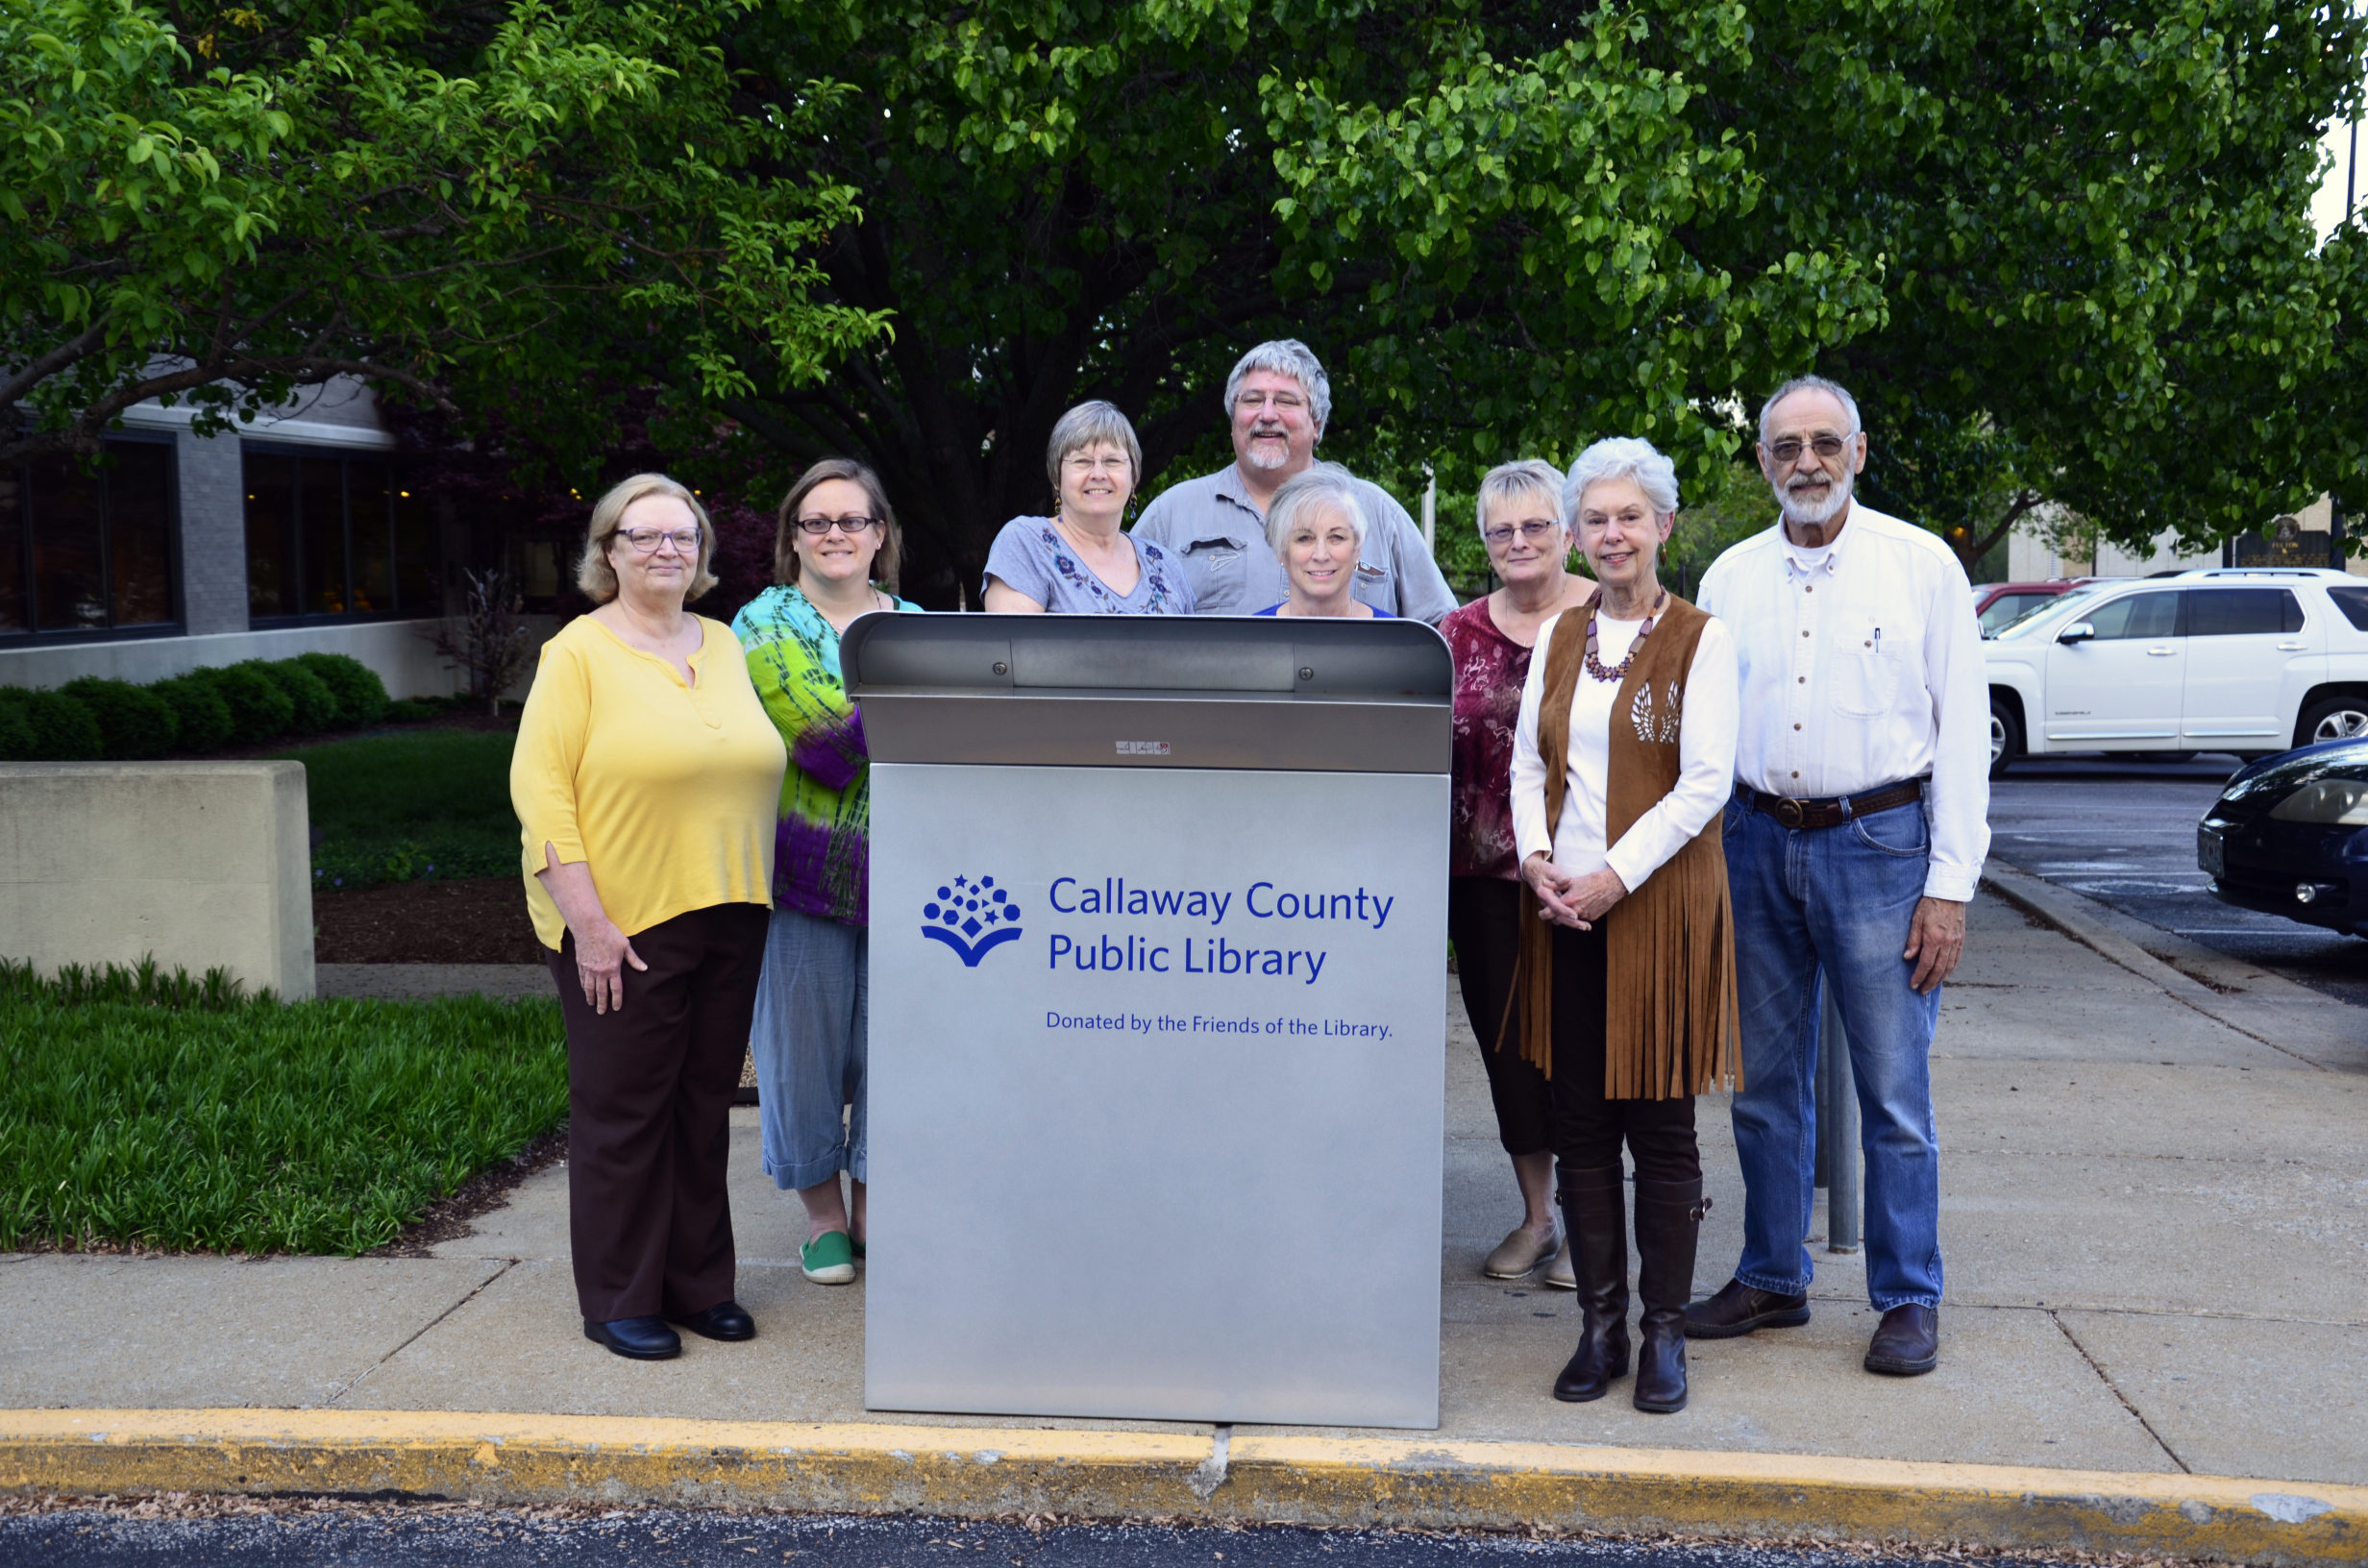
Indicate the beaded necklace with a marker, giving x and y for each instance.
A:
(1618, 672)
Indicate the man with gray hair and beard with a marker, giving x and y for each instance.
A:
(1278, 401)
(1853, 840)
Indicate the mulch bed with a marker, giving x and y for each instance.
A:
(467, 920)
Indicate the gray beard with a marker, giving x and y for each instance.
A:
(1256, 460)
(1819, 514)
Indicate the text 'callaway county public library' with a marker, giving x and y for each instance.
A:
(1308, 915)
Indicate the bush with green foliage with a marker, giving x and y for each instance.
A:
(260, 709)
(315, 704)
(361, 697)
(17, 744)
(200, 717)
(63, 730)
(173, 1113)
(135, 723)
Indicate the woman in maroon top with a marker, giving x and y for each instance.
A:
(1529, 547)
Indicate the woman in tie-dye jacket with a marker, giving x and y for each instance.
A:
(834, 559)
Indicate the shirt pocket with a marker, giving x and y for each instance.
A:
(1215, 568)
(1866, 674)
(1375, 586)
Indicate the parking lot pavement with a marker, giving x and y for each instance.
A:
(2124, 833)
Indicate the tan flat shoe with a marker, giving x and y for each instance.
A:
(1515, 1256)
(1559, 1274)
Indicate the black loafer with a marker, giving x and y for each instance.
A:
(725, 1320)
(643, 1339)
(1906, 1344)
(1739, 1308)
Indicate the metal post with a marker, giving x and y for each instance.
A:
(1838, 1129)
(1430, 512)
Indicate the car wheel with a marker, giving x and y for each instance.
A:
(2335, 719)
(2006, 738)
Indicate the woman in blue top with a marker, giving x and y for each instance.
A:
(1315, 526)
(1079, 562)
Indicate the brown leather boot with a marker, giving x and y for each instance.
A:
(1668, 1220)
(1596, 1216)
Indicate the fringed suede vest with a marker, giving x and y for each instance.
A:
(1670, 1018)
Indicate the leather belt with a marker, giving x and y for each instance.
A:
(1833, 812)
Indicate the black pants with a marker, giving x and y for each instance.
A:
(1484, 921)
(648, 1091)
(1589, 1129)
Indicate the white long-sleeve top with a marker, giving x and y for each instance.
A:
(1861, 665)
(1705, 752)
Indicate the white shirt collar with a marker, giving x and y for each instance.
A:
(1800, 561)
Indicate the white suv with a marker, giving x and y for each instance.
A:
(2251, 660)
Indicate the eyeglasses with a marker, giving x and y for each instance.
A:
(854, 523)
(1080, 464)
(1789, 450)
(1533, 531)
(645, 541)
(1279, 402)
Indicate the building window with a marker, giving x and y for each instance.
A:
(87, 549)
(335, 536)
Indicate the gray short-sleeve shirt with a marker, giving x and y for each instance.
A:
(1210, 527)
(1031, 557)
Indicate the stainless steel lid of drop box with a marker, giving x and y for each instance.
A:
(1247, 692)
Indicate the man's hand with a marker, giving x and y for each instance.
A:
(1935, 940)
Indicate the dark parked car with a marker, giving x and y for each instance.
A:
(2289, 836)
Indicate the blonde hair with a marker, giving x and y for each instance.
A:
(596, 577)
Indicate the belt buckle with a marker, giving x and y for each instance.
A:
(1788, 813)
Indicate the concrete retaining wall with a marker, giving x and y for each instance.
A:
(199, 864)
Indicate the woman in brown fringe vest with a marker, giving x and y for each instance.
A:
(1624, 997)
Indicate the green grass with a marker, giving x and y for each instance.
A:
(176, 1114)
(401, 808)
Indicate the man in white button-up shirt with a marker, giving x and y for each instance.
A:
(1854, 842)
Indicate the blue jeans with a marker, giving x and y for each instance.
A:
(1840, 898)
(810, 1046)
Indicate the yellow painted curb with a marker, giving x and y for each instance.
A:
(865, 1467)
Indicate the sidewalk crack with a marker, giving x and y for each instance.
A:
(2107, 1379)
(355, 1381)
(1210, 1473)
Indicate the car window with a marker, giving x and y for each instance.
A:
(2007, 607)
(2353, 603)
(2242, 612)
(2140, 615)
(2045, 611)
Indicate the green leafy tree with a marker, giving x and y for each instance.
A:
(215, 212)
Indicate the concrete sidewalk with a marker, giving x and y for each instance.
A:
(2154, 1217)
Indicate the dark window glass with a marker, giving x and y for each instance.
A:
(2140, 615)
(414, 554)
(69, 547)
(271, 535)
(139, 514)
(372, 535)
(2240, 612)
(2353, 603)
(14, 613)
(323, 513)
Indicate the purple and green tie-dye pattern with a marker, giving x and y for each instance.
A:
(822, 846)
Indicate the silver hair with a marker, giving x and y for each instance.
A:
(1089, 424)
(1317, 486)
(1287, 356)
(1530, 477)
(1621, 457)
(1811, 383)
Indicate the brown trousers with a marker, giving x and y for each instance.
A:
(648, 1091)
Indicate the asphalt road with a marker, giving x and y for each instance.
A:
(2124, 834)
(397, 1537)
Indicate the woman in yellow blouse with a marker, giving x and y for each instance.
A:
(645, 778)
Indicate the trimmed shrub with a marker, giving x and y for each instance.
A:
(15, 733)
(201, 719)
(63, 730)
(316, 706)
(260, 709)
(410, 710)
(135, 723)
(361, 697)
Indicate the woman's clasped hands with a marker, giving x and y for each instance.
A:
(1575, 902)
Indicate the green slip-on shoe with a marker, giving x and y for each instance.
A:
(829, 1259)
